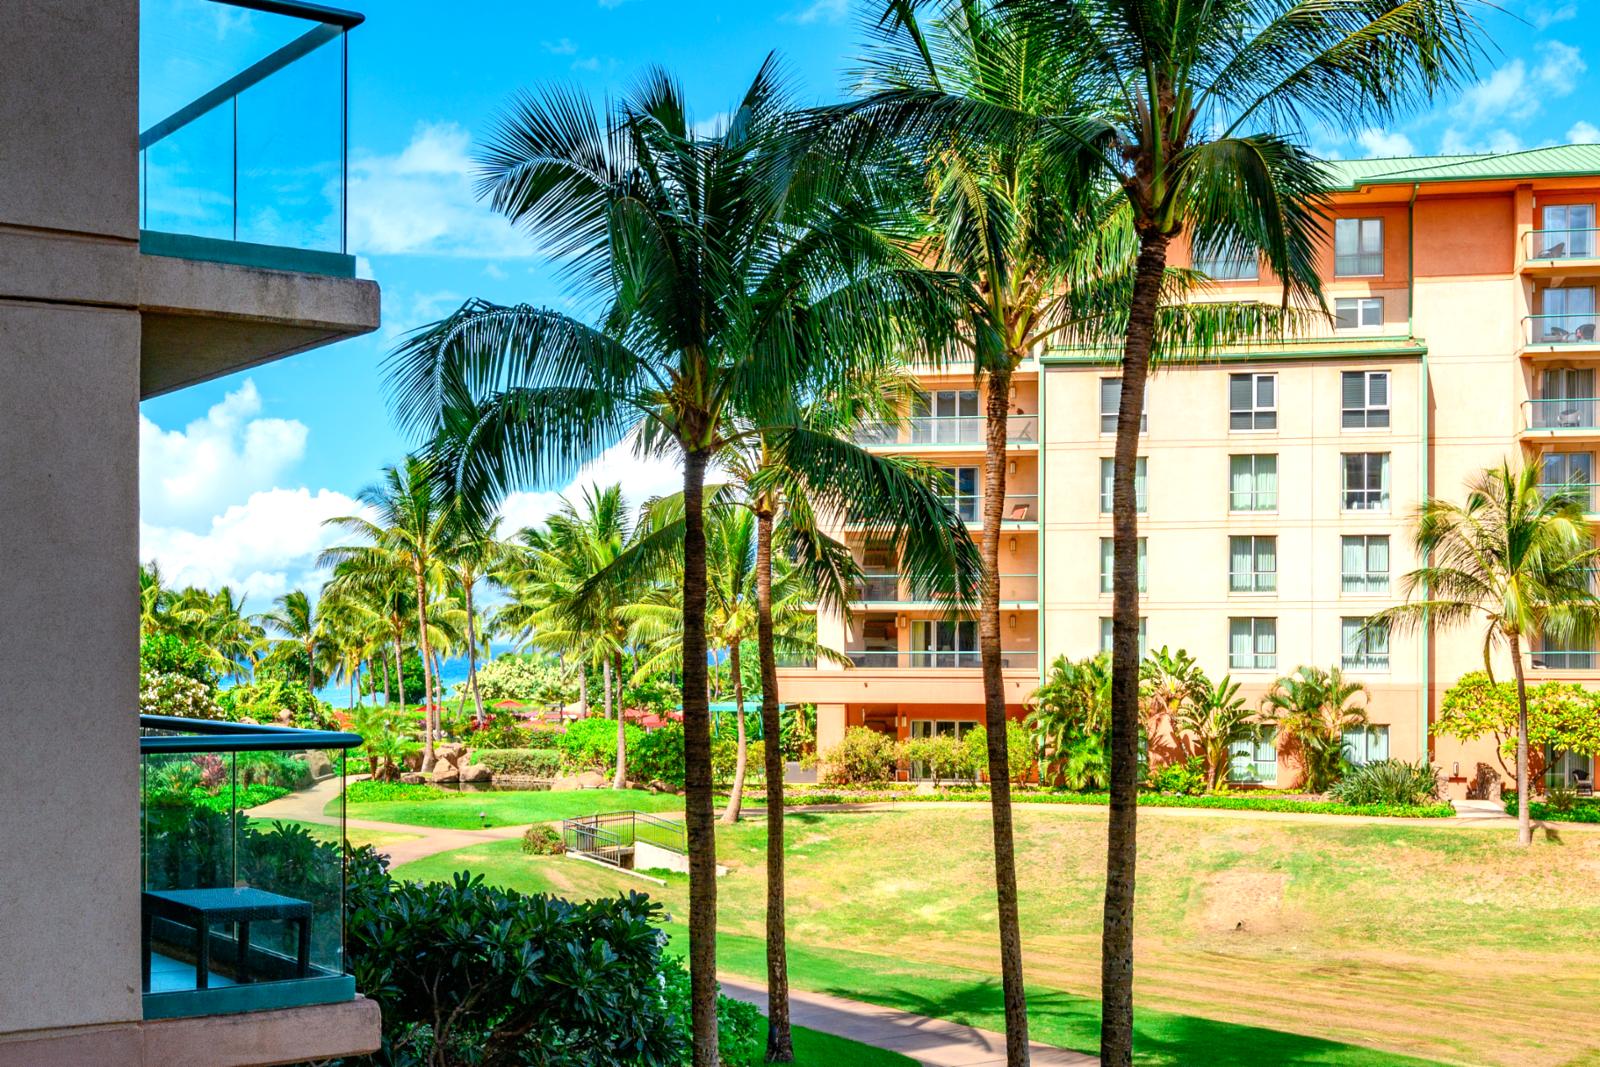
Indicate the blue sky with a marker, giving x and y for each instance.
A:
(239, 473)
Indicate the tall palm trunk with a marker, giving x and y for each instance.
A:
(780, 1045)
(730, 814)
(311, 666)
(400, 669)
(1116, 936)
(428, 757)
(472, 654)
(583, 690)
(1524, 822)
(385, 661)
(620, 781)
(699, 818)
(605, 686)
(994, 708)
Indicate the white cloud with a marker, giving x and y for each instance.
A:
(1515, 92)
(1583, 133)
(817, 11)
(421, 201)
(1385, 143)
(495, 271)
(590, 64)
(1545, 15)
(405, 311)
(1561, 68)
(642, 477)
(563, 47)
(187, 475)
(713, 125)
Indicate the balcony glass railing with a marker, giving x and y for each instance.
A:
(1016, 508)
(1364, 661)
(1583, 492)
(944, 430)
(237, 913)
(883, 588)
(1572, 328)
(965, 659)
(1565, 660)
(243, 132)
(1562, 414)
(1562, 244)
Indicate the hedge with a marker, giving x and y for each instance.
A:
(1582, 811)
(523, 762)
(367, 792)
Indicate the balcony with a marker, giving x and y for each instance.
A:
(1562, 415)
(885, 589)
(938, 432)
(1549, 251)
(237, 914)
(1565, 660)
(928, 659)
(1571, 330)
(243, 134)
(1583, 492)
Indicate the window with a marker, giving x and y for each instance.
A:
(1252, 401)
(1366, 481)
(1566, 399)
(1227, 264)
(1253, 644)
(1110, 403)
(963, 496)
(943, 643)
(1105, 636)
(1107, 469)
(1365, 744)
(946, 416)
(1253, 483)
(1357, 312)
(1363, 647)
(956, 728)
(1252, 564)
(1106, 552)
(1365, 397)
(1571, 769)
(1364, 565)
(1567, 314)
(1555, 654)
(1567, 231)
(1357, 247)
(1255, 759)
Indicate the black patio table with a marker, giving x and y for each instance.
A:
(203, 908)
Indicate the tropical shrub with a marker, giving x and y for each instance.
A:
(272, 768)
(526, 679)
(467, 973)
(1389, 781)
(370, 792)
(522, 762)
(942, 757)
(1021, 757)
(171, 693)
(1071, 721)
(725, 759)
(1571, 808)
(797, 729)
(542, 839)
(1214, 718)
(658, 756)
(741, 1029)
(591, 744)
(386, 739)
(265, 698)
(168, 654)
(1187, 778)
(863, 755)
(1560, 714)
(1312, 709)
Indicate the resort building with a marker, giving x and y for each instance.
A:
(1277, 483)
(171, 210)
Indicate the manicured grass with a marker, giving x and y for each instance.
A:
(1260, 941)
(460, 811)
(813, 1049)
(357, 836)
(1255, 801)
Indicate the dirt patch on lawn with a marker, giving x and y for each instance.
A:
(1244, 902)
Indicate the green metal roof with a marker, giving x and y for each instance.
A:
(1552, 162)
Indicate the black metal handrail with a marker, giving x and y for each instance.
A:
(611, 830)
(209, 735)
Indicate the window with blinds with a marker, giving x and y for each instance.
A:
(1253, 644)
(1252, 564)
(1363, 646)
(1357, 312)
(1365, 399)
(1365, 744)
(1252, 401)
(1222, 264)
(1357, 247)
(1364, 566)
(1105, 636)
(1253, 483)
(1108, 470)
(1111, 402)
(1107, 562)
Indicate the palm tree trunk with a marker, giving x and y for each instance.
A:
(780, 1045)
(699, 817)
(994, 709)
(583, 690)
(385, 661)
(472, 655)
(620, 781)
(605, 686)
(427, 670)
(1524, 822)
(400, 670)
(1116, 935)
(730, 815)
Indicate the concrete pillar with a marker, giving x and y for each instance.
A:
(830, 731)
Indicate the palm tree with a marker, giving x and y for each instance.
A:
(726, 277)
(1517, 557)
(296, 617)
(1216, 718)
(1171, 682)
(472, 552)
(1197, 114)
(410, 525)
(1312, 710)
(1070, 714)
(155, 600)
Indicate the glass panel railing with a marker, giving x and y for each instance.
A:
(243, 132)
(1562, 414)
(1582, 492)
(239, 912)
(926, 431)
(1565, 660)
(1369, 661)
(1575, 243)
(1573, 328)
(965, 659)
(892, 589)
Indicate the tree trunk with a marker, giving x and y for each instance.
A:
(385, 661)
(621, 779)
(311, 667)
(699, 817)
(583, 690)
(780, 1045)
(1116, 936)
(730, 815)
(1524, 822)
(994, 717)
(605, 686)
(472, 654)
(400, 669)
(428, 757)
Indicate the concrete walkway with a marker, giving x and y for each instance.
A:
(932, 1042)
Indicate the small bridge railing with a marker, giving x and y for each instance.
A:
(604, 836)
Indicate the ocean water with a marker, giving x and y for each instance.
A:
(452, 672)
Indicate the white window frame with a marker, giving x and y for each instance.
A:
(1361, 749)
(969, 506)
(1249, 758)
(1144, 636)
(1371, 415)
(1363, 498)
(1259, 626)
(1364, 313)
(1369, 653)
(1260, 416)
(1255, 495)
(1367, 581)
(961, 634)
(1141, 484)
(1107, 562)
(1358, 262)
(1256, 579)
(1108, 419)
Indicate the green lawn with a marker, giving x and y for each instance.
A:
(812, 1049)
(460, 811)
(1260, 941)
(356, 835)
